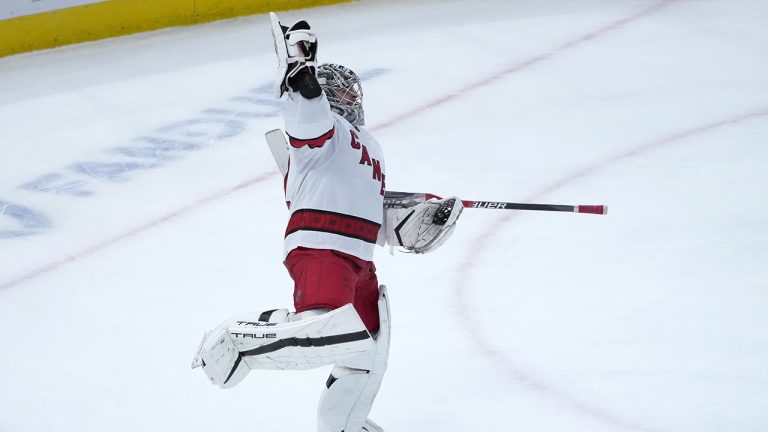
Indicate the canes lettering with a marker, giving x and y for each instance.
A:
(366, 159)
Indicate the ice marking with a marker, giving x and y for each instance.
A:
(476, 250)
(168, 143)
(23, 220)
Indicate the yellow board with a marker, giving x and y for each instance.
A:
(121, 17)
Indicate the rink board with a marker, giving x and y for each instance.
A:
(120, 17)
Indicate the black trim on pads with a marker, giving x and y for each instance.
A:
(234, 368)
(400, 226)
(331, 379)
(307, 342)
(264, 317)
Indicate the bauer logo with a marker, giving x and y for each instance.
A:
(489, 204)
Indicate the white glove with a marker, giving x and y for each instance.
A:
(423, 227)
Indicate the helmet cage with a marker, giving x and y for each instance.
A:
(343, 90)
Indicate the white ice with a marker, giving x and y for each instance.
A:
(114, 260)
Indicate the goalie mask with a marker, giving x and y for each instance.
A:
(343, 91)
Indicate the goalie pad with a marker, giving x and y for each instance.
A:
(354, 383)
(278, 339)
(424, 227)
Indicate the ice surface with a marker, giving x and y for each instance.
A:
(141, 206)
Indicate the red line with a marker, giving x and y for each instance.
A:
(440, 101)
(525, 64)
(480, 245)
(673, 138)
(137, 230)
(461, 282)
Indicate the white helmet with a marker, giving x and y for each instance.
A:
(343, 91)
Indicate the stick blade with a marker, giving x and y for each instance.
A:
(279, 148)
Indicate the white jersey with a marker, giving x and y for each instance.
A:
(335, 181)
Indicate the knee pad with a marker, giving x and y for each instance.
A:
(354, 383)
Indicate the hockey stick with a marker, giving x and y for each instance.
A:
(394, 199)
(279, 147)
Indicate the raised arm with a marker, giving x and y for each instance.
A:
(307, 114)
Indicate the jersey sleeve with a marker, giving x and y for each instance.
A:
(308, 122)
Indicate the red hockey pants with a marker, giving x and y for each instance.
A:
(330, 279)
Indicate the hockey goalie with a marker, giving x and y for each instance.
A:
(334, 188)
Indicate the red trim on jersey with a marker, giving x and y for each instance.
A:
(335, 223)
(311, 142)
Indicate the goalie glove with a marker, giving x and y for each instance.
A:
(424, 227)
(296, 51)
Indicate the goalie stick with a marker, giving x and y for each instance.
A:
(392, 199)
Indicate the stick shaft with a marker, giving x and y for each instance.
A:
(393, 199)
